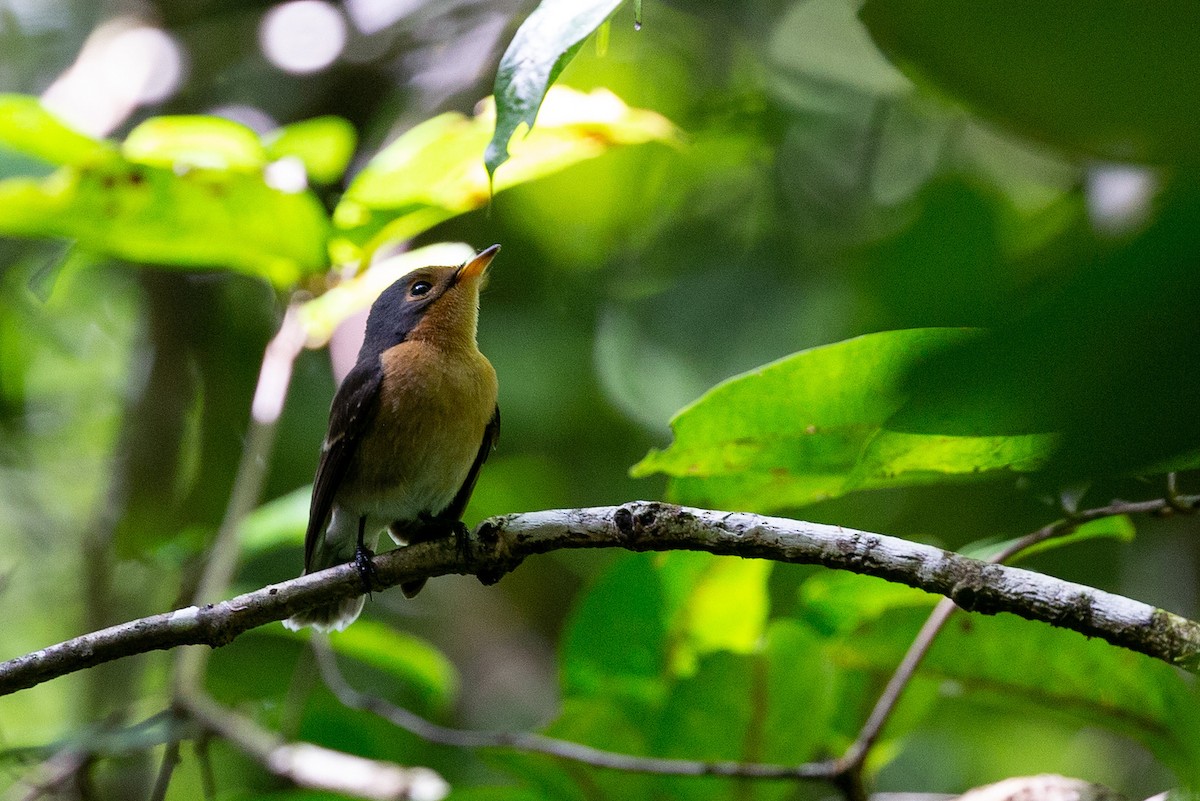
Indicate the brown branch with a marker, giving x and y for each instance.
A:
(500, 544)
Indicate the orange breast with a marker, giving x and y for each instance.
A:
(434, 407)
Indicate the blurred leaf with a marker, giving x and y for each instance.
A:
(544, 44)
(212, 143)
(1052, 672)
(322, 315)
(715, 604)
(1117, 527)
(324, 144)
(27, 127)
(433, 173)
(406, 657)
(276, 524)
(1099, 358)
(614, 644)
(595, 721)
(773, 706)
(204, 219)
(495, 793)
(836, 602)
(813, 426)
(999, 58)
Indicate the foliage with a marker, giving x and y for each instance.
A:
(888, 226)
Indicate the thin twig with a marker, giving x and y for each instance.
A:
(500, 544)
(170, 760)
(204, 758)
(855, 756)
(541, 744)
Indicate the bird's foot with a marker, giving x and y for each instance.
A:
(462, 541)
(363, 563)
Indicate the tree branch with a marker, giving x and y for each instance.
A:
(500, 544)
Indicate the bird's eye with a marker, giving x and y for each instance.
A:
(420, 288)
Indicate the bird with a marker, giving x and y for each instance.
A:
(410, 428)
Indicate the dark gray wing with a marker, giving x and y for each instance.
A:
(353, 407)
(491, 435)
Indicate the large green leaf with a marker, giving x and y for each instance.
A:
(181, 191)
(815, 425)
(615, 642)
(210, 219)
(544, 44)
(433, 172)
(1111, 78)
(599, 722)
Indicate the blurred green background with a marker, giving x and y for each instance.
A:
(1025, 168)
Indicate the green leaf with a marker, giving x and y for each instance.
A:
(322, 315)
(595, 721)
(276, 524)
(776, 705)
(1050, 672)
(615, 640)
(212, 143)
(714, 604)
(409, 659)
(324, 144)
(836, 602)
(816, 425)
(208, 219)
(1078, 75)
(544, 44)
(27, 127)
(433, 173)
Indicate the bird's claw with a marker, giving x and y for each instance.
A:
(462, 541)
(363, 563)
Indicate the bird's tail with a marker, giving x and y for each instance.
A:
(335, 547)
(331, 617)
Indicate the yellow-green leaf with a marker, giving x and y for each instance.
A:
(193, 141)
(433, 172)
(324, 145)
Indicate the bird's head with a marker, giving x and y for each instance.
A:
(439, 305)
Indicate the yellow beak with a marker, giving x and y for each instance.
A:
(476, 267)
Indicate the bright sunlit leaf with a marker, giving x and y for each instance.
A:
(433, 172)
(194, 141)
(815, 425)
(544, 44)
(324, 144)
(27, 127)
(207, 219)
(717, 604)
(276, 524)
